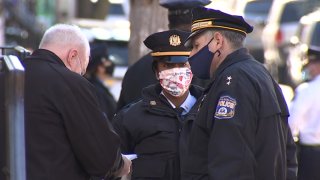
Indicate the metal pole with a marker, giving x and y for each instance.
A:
(14, 104)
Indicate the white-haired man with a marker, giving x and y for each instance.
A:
(67, 135)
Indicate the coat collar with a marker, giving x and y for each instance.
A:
(46, 55)
(153, 99)
(236, 56)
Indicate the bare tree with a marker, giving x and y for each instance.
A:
(146, 17)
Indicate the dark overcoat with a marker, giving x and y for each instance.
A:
(67, 135)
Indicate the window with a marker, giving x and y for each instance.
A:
(292, 12)
(258, 7)
(118, 51)
(315, 38)
(116, 9)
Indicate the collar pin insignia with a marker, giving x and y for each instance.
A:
(229, 80)
(153, 103)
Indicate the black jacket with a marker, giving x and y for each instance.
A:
(154, 131)
(107, 102)
(241, 131)
(137, 77)
(67, 135)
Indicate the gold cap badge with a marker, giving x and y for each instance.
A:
(174, 40)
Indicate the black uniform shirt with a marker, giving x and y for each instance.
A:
(107, 102)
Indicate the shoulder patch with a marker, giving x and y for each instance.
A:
(225, 108)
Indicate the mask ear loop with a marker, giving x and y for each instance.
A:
(217, 51)
(210, 41)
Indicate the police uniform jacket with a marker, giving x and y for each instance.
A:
(107, 102)
(241, 131)
(67, 135)
(154, 131)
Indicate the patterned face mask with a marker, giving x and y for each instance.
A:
(176, 81)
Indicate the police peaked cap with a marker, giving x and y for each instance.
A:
(169, 44)
(204, 18)
(97, 52)
(179, 11)
(183, 4)
(313, 54)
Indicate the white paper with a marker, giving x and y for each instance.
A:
(130, 156)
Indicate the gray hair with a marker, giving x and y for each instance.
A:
(63, 35)
(236, 39)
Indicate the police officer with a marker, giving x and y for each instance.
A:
(304, 120)
(179, 16)
(156, 127)
(241, 130)
(100, 69)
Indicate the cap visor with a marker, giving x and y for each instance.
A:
(177, 59)
(188, 42)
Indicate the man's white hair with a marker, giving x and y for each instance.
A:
(63, 35)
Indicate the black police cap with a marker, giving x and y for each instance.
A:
(313, 55)
(169, 44)
(204, 18)
(179, 11)
(183, 4)
(97, 52)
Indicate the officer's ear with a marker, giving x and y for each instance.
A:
(218, 40)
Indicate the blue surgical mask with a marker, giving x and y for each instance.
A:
(201, 62)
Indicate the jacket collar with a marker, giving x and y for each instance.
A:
(46, 55)
(153, 99)
(236, 56)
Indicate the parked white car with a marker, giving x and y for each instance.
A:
(281, 26)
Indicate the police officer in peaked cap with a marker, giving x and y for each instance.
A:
(241, 130)
(157, 127)
(99, 70)
(179, 16)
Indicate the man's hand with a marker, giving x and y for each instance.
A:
(125, 169)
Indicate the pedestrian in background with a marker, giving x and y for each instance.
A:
(99, 70)
(241, 130)
(305, 118)
(67, 135)
(179, 16)
(156, 128)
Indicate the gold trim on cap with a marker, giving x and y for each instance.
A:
(209, 24)
(201, 20)
(175, 53)
(200, 25)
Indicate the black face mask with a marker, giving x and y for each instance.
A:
(201, 62)
(109, 70)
